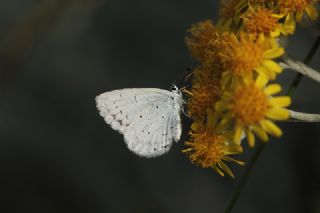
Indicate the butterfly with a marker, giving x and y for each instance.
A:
(148, 118)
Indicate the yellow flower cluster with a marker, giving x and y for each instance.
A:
(231, 97)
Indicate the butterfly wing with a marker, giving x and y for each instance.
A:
(147, 118)
(175, 124)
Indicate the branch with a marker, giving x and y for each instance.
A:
(295, 65)
(306, 117)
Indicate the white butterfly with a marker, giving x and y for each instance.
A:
(149, 118)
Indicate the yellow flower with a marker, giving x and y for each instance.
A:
(262, 20)
(208, 149)
(295, 10)
(247, 55)
(300, 7)
(250, 108)
(205, 91)
(200, 40)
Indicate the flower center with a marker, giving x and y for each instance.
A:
(205, 90)
(260, 21)
(241, 57)
(203, 97)
(206, 150)
(249, 104)
(293, 5)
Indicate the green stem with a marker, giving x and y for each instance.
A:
(261, 146)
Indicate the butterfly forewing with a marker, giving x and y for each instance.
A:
(148, 118)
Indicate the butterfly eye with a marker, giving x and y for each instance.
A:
(173, 87)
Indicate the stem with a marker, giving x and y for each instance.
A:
(307, 60)
(297, 66)
(260, 148)
(306, 117)
(248, 168)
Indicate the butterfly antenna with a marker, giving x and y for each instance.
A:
(187, 73)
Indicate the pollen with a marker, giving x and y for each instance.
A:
(241, 56)
(204, 96)
(206, 149)
(200, 40)
(260, 20)
(249, 104)
(205, 91)
(294, 5)
(300, 8)
(250, 107)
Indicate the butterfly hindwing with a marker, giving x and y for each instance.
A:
(149, 134)
(175, 125)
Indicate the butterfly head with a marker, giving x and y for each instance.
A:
(174, 88)
(177, 95)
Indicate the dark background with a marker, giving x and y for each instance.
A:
(58, 155)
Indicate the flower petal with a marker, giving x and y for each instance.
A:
(220, 106)
(278, 113)
(237, 134)
(275, 33)
(273, 66)
(226, 169)
(250, 137)
(289, 24)
(278, 16)
(261, 81)
(233, 149)
(224, 123)
(217, 170)
(264, 71)
(228, 158)
(274, 53)
(261, 133)
(272, 89)
(312, 12)
(281, 101)
(299, 15)
(271, 128)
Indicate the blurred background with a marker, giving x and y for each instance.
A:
(58, 155)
